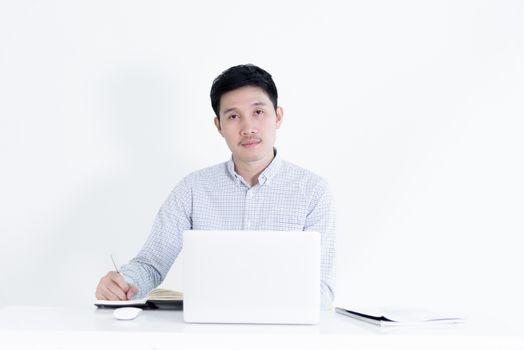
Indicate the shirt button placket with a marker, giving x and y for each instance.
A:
(248, 207)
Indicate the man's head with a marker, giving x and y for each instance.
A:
(244, 99)
(240, 76)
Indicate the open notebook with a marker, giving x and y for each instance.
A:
(158, 298)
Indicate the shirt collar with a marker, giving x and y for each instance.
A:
(266, 175)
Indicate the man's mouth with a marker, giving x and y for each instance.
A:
(250, 142)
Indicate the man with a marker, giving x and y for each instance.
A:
(254, 190)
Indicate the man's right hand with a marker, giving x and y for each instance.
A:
(114, 287)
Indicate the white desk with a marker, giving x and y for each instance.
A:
(89, 328)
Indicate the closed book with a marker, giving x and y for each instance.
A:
(386, 317)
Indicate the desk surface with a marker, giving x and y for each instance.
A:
(47, 327)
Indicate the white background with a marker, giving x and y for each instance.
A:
(413, 110)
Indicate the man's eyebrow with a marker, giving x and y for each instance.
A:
(229, 110)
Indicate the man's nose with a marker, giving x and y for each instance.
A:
(248, 128)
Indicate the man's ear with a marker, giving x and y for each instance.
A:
(280, 115)
(217, 124)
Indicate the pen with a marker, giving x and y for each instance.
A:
(114, 264)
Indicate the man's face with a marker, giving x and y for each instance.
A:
(248, 121)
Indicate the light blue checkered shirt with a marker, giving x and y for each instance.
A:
(286, 198)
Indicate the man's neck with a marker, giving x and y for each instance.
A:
(250, 171)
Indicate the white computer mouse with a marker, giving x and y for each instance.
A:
(126, 313)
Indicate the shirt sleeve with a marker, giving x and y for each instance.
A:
(149, 268)
(321, 218)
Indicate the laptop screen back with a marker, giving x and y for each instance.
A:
(251, 277)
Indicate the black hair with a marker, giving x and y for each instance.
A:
(240, 76)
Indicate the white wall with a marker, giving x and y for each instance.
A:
(412, 109)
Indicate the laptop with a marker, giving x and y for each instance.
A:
(251, 277)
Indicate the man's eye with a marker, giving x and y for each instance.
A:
(259, 112)
(233, 116)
